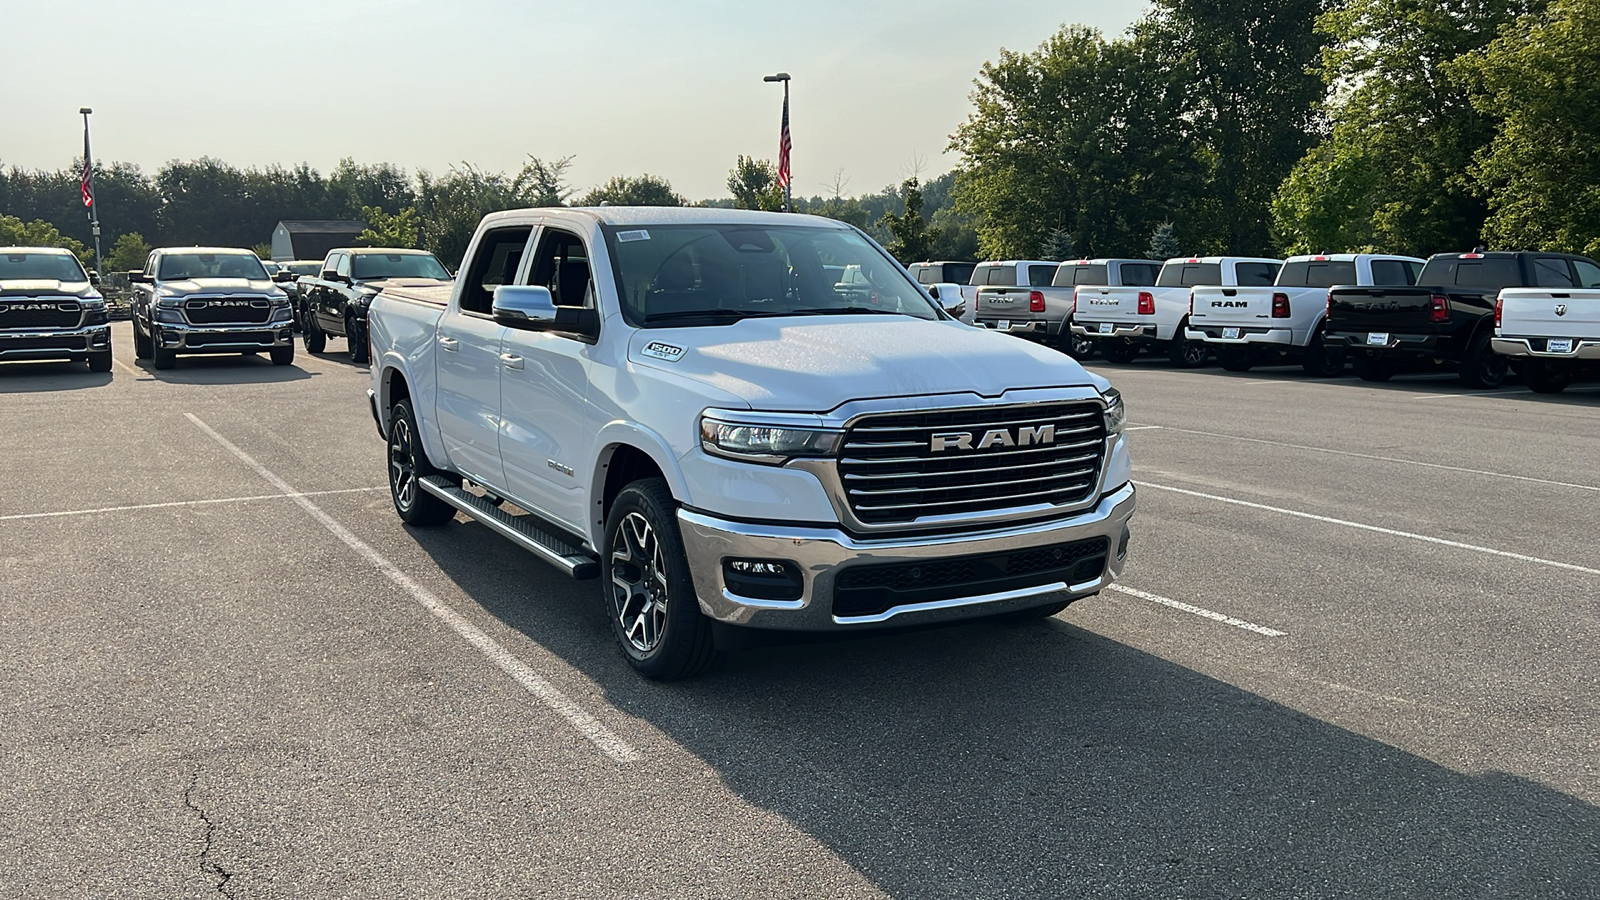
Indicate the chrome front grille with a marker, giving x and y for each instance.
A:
(67, 314)
(892, 472)
(227, 311)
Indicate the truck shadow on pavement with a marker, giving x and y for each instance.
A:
(1042, 760)
(43, 377)
(223, 370)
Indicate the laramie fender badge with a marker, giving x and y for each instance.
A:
(659, 350)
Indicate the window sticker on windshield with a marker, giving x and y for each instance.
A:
(624, 237)
(661, 350)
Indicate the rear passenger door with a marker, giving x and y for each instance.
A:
(545, 428)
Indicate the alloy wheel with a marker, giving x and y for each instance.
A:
(402, 464)
(639, 583)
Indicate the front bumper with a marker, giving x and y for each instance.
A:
(184, 338)
(1522, 347)
(54, 343)
(823, 554)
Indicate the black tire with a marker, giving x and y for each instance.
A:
(1034, 613)
(164, 358)
(408, 465)
(649, 596)
(1321, 361)
(1074, 345)
(1543, 378)
(1483, 368)
(355, 337)
(100, 361)
(1118, 350)
(1234, 359)
(141, 343)
(1184, 353)
(315, 338)
(282, 356)
(1370, 369)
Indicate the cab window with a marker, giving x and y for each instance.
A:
(495, 262)
(562, 264)
(1588, 273)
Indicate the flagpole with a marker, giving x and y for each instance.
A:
(788, 186)
(94, 203)
(784, 144)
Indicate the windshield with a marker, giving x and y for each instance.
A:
(711, 274)
(41, 266)
(183, 266)
(367, 266)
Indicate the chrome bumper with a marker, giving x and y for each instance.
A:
(1523, 347)
(224, 338)
(53, 343)
(1092, 330)
(1016, 326)
(822, 554)
(1281, 337)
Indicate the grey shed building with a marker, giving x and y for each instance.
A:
(312, 238)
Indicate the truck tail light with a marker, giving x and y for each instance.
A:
(1280, 306)
(1438, 309)
(1147, 303)
(1191, 303)
(1035, 301)
(1499, 310)
(1074, 301)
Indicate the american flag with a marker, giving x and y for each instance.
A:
(86, 182)
(784, 144)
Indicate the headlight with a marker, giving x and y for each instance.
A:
(169, 315)
(1116, 410)
(764, 442)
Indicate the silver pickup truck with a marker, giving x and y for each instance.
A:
(50, 310)
(1047, 311)
(210, 300)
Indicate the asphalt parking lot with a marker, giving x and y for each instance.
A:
(1354, 655)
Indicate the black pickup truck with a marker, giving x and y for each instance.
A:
(1445, 321)
(334, 303)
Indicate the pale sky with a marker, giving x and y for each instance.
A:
(626, 87)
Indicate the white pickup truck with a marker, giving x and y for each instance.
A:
(697, 407)
(1250, 326)
(1125, 320)
(1551, 337)
(1046, 311)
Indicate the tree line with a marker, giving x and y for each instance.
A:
(1263, 127)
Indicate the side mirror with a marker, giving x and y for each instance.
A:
(528, 307)
(284, 276)
(137, 276)
(94, 277)
(949, 297)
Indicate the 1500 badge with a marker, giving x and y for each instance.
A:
(658, 350)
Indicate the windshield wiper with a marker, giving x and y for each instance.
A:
(843, 311)
(730, 314)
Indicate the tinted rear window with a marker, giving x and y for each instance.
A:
(927, 274)
(1255, 274)
(1392, 271)
(1190, 274)
(1551, 271)
(1313, 273)
(1040, 276)
(1069, 276)
(1139, 274)
(958, 273)
(1486, 272)
(1004, 276)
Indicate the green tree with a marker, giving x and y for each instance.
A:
(1394, 171)
(127, 253)
(909, 243)
(645, 190)
(754, 184)
(1245, 69)
(16, 233)
(450, 206)
(1058, 246)
(385, 230)
(1541, 172)
(1163, 243)
(1084, 135)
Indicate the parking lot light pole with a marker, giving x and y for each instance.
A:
(784, 144)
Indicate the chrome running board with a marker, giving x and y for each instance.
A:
(524, 531)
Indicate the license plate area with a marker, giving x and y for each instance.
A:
(1230, 334)
(1558, 345)
(1378, 339)
(1107, 328)
(1003, 325)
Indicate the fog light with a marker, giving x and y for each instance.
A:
(763, 579)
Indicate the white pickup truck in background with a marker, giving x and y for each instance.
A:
(1551, 337)
(1125, 320)
(1046, 312)
(1250, 326)
(754, 419)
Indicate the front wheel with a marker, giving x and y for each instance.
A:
(164, 358)
(408, 465)
(142, 344)
(649, 596)
(316, 339)
(100, 362)
(355, 337)
(282, 356)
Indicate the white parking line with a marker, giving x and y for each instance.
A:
(1572, 567)
(125, 367)
(531, 681)
(1195, 610)
(112, 509)
(1392, 459)
(1139, 427)
(1472, 396)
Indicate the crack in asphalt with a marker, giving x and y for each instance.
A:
(207, 866)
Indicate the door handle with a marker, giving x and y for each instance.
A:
(511, 360)
(449, 343)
